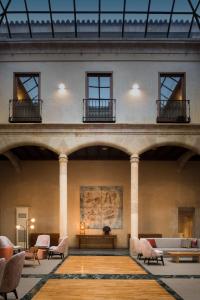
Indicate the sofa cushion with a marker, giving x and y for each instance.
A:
(168, 242)
(152, 243)
(194, 243)
(185, 243)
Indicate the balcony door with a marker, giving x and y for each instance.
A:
(99, 102)
(172, 104)
(26, 104)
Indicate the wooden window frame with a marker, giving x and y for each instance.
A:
(172, 74)
(98, 74)
(15, 74)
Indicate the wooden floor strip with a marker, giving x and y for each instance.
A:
(87, 289)
(99, 265)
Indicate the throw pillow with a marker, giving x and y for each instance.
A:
(194, 243)
(185, 243)
(152, 243)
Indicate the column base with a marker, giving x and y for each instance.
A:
(132, 248)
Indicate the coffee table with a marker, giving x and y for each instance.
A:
(176, 255)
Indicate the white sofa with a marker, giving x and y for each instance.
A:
(174, 244)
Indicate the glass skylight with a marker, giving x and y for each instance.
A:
(124, 19)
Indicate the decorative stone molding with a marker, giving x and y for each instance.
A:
(63, 158)
(134, 158)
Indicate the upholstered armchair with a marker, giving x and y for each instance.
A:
(6, 247)
(2, 267)
(43, 241)
(149, 253)
(12, 275)
(60, 249)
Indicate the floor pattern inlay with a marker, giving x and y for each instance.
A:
(99, 265)
(121, 277)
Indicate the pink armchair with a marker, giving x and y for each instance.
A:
(12, 275)
(150, 253)
(2, 267)
(43, 241)
(60, 249)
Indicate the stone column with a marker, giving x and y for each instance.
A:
(63, 194)
(134, 199)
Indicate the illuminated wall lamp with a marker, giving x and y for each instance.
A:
(135, 90)
(61, 87)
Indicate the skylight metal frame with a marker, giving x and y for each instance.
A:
(195, 18)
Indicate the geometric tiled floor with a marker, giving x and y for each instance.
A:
(99, 265)
(86, 271)
(92, 289)
(111, 276)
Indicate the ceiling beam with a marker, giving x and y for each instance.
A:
(183, 159)
(14, 160)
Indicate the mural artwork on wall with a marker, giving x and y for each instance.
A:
(101, 206)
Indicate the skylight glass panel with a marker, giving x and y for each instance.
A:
(17, 6)
(87, 5)
(18, 17)
(137, 5)
(112, 5)
(182, 6)
(4, 2)
(35, 6)
(194, 2)
(62, 5)
(165, 7)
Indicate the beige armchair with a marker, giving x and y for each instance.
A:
(149, 253)
(58, 250)
(12, 275)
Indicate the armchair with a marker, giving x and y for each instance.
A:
(43, 241)
(58, 250)
(2, 267)
(149, 253)
(12, 275)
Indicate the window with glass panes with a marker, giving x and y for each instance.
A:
(99, 86)
(26, 87)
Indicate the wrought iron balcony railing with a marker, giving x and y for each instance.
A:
(99, 110)
(173, 111)
(25, 111)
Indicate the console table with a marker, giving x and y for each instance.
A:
(97, 241)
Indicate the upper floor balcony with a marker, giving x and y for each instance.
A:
(173, 111)
(25, 111)
(99, 110)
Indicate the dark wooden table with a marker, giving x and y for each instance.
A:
(96, 241)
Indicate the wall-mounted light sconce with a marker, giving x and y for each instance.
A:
(135, 90)
(61, 87)
(82, 228)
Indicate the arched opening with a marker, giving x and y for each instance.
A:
(99, 194)
(29, 178)
(169, 192)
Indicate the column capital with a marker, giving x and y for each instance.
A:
(63, 158)
(134, 158)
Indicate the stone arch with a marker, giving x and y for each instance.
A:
(169, 143)
(98, 143)
(12, 145)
